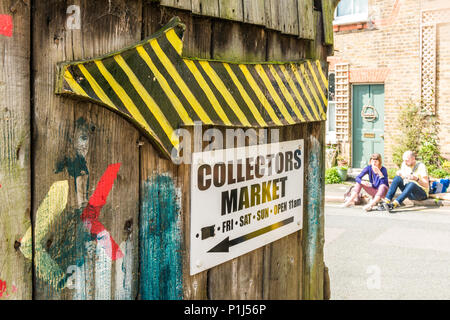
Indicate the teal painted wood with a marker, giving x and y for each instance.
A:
(368, 136)
(160, 239)
(315, 218)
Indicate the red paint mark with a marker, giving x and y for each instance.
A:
(2, 287)
(91, 213)
(6, 25)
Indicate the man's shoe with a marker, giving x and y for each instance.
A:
(387, 206)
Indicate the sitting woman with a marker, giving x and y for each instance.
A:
(377, 186)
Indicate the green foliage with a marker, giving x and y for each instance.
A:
(418, 132)
(410, 121)
(438, 173)
(446, 165)
(332, 176)
(392, 172)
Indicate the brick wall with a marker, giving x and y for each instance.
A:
(389, 49)
(443, 85)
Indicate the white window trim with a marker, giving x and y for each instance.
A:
(351, 19)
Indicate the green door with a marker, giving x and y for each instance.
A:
(368, 123)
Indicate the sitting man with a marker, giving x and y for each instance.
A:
(412, 179)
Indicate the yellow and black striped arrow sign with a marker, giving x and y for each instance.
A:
(151, 84)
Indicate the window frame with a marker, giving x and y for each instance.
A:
(351, 18)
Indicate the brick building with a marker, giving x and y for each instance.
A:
(387, 52)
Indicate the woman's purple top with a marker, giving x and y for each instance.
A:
(374, 179)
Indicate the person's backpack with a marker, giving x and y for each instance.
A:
(440, 186)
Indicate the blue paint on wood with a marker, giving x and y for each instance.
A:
(315, 195)
(160, 241)
(77, 165)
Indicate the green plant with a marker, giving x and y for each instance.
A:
(392, 172)
(446, 165)
(343, 168)
(410, 121)
(332, 176)
(418, 132)
(438, 173)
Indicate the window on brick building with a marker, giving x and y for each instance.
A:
(351, 11)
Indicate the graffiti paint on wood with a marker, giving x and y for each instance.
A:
(6, 25)
(5, 290)
(47, 213)
(160, 240)
(48, 258)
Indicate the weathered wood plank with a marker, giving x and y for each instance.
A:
(313, 232)
(316, 48)
(272, 13)
(306, 19)
(238, 42)
(288, 11)
(231, 10)
(281, 47)
(90, 251)
(161, 233)
(180, 4)
(197, 36)
(15, 184)
(205, 7)
(254, 12)
(328, 7)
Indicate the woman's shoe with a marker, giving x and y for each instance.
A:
(347, 204)
(368, 207)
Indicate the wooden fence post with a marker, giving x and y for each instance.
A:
(15, 185)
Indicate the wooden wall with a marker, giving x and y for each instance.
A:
(74, 175)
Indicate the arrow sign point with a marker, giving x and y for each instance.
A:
(222, 246)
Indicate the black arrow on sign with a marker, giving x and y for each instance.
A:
(225, 244)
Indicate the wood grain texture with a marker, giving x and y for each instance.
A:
(180, 4)
(254, 12)
(77, 141)
(288, 11)
(238, 42)
(231, 10)
(208, 8)
(197, 36)
(272, 14)
(15, 184)
(305, 19)
(327, 16)
(281, 47)
(313, 239)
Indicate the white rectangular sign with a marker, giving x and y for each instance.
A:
(242, 199)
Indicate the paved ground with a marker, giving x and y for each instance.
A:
(378, 255)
